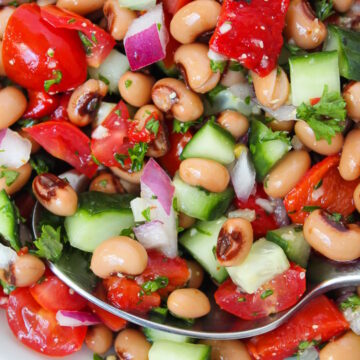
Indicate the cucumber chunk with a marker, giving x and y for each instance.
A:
(201, 204)
(9, 222)
(200, 242)
(211, 142)
(266, 147)
(111, 70)
(347, 44)
(138, 4)
(265, 261)
(170, 350)
(310, 73)
(155, 335)
(291, 240)
(99, 217)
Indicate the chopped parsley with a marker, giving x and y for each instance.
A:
(128, 232)
(105, 80)
(247, 100)
(266, 294)
(153, 126)
(154, 285)
(303, 345)
(87, 44)
(326, 118)
(8, 289)
(158, 26)
(146, 214)
(137, 155)
(39, 165)
(310, 208)
(49, 244)
(51, 52)
(120, 158)
(235, 66)
(10, 176)
(318, 185)
(180, 127)
(95, 160)
(103, 183)
(57, 77)
(352, 302)
(128, 83)
(217, 66)
(93, 38)
(335, 217)
(71, 21)
(117, 112)
(97, 357)
(324, 9)
(241, 299)
(211, 95)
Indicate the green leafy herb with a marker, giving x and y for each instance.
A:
(128, 83)
(266, 294)
(180, 127)
(51, 52)
(247, 100)
(335, 217)
(7, 287)
(24, 123)
(146, 214)
(120, 158)
(217, 66)
(215, 91)
(71, 21)
(352, 302)
(324, 9)
(103, 183)
(318, 185)
(128, 232)
(87, 44)
(137, 155)
(104, 79)
(9, 175)
(326, 118)
(117, 112)
(294, 49)
(298, 228)
(57, 77)
(303, 345)
(39, 165)
(175, 204)
(95, 160)
(235, 66)
(154, 285)
(97, 357)
(163, 311)
(49, 243)
(241, 299)
(93, 38)
(158, 26)
(153, 126)
(310, 208)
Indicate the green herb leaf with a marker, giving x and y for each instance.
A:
(117, 112)
(39, 165)
(120, 158)
(93, 38)
(95, 160)
(146, 214)
(310, 208)
(217, 66)
(55, 80)
(216, 90)
(137, 155)
(326, 118)
(352, 302)
(97, 357)
(335, 217)
(266, 294)
(128, 83)
(235, 66)
(128, 232)
(294, 50)
(318, 185)
(87, 44)
(153, 126)
(324, 9)
(180, 127)
(241, 299)
(9, 175)
(158, 26)
(51, 52)
(49, 243)
(154, 285)
(7, 287)
(104, 79)
(71, 21)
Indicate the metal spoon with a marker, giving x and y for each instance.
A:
(322, 276)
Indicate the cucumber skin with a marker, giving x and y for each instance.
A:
(169, 350)
(9, 218)
(155, 335)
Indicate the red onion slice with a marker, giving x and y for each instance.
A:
(76, 318)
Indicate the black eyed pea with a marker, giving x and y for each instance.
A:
(99, 339)
(234, 122)
(351, 95)
(106, 183)
(55, 194)
(227, 349)
(5, 14)
(132, 344)
(344, 347)
(349, 166)
(119, 254)
(81, 7)
(342, 5)
(22, 175)
(145, 111)
(196, 274)
(12, 105)
(129, 176)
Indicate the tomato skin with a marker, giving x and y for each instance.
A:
(32, 66)
(284, 341)
(25, 203)
(60, 113)
(172, 6)
(264, 222)
(3, 299)
(287, 290)
(40, 104)
(62, 19)
(113, 322)
(65, 141)
(334, 195)
(262, 20)
(126, 294)
(175, 270)
(171, 160)
(38, 329)
(53, 295)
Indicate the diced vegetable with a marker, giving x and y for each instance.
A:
(138, 4)
(265, 261)
(199, 203)
(291, 240)
(111, 70)
(200, 241)
(155, 335)
(310, 73)
(103, 112)
(7, 256)
(146, 40)
(76, 318)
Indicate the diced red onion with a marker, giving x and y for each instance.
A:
(14, 150)
(280, 213)
(158, 181)
(283, 113)
(76, 318)
(243, 176)
(152, 235)
(146, 40)
(7, 256)
(266, 204)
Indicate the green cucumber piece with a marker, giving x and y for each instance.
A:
(155, 335)
(265, 261)
(291, 240)
(211, 142)
(347, 44)
(201, 204)
(170, 350)
(266, 147)
(200, 241)
(311, 72)
(137, 4)
(99, 217)
(111, 69)
(9, 221)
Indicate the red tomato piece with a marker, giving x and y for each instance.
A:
(65, 141)
(314, 101)
(60, 113)
(115, 139)
(3, 299)
(318, 320)
(173, 6)
(251, 33)
(264, 222)
(101, 42)
(113, 322)
(171, 160)
(323, 187)
(40, 104)
(34, 52)
(276, 295)
(175, 270)
(127, 295)
(38, 329)
(25, 203)
(170, 8)
(136, 135)
(53, 295)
